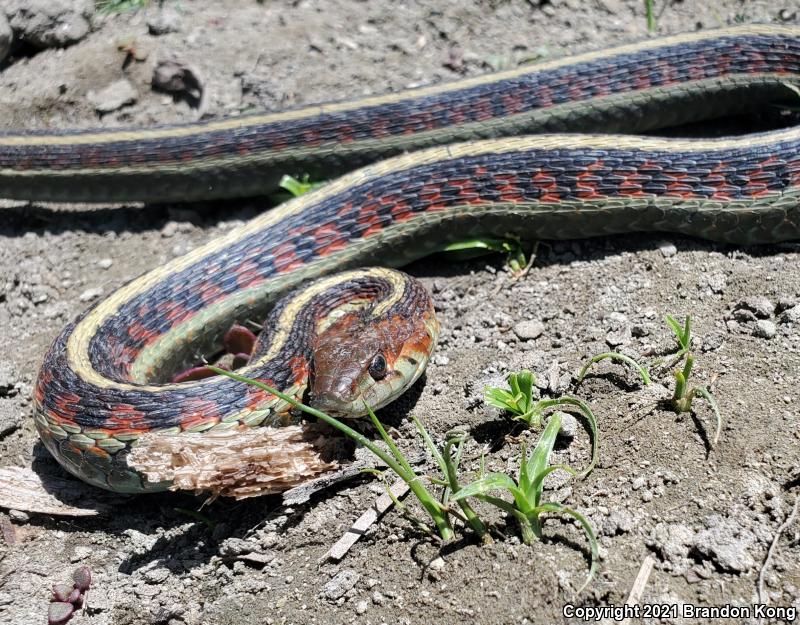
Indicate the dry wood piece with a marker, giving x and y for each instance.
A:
(356, 531)
(23, 489)
(238, 463)
(637, 590)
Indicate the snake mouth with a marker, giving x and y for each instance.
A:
(371, 393)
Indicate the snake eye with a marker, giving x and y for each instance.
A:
(377, 368)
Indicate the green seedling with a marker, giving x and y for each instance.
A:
(683, 334)
(519, 401)
(682, 397)
(120, 6)
(395, 459)
(527, 507)
(298, 187)
(516, 259)
(616, 356)
(650, 15)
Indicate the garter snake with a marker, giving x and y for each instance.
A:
(103, 385)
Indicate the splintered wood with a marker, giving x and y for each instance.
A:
(362, 524)
(237, 463)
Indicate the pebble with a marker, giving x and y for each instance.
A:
(8, 378)
(49, 23)
(105, 263)
(18, 516)
(118, 94)
(165, 21)
(437, 564)
(667, 249)
(569, 426)
(440, 360)
(764, 329)
(759, 305)
(791, 315)
(529, 329)
(340, 583)
(638, 482)
(727, 544)
(89, 294)
(361, 607)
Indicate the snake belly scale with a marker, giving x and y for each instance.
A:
(103, 384)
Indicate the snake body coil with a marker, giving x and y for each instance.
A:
(100, 387)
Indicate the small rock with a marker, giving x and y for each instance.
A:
(232, 547)
(115, 96)
(361, 607)
(378, 598)
(89, 294)
(105, 263)
(667, 249)
(337, 586)
(791, 315)
(638, 482)
(437, 564)
(727, 543)
(165, 21)
(529, 329)
(6, 36)
(8, 378)
(50, 23)
(179, 79)
(672, 540)
(440, 360)
(569, 426)
(18, 516)
(716, 282)
(759, 305)
(764, 329)
(157, 575)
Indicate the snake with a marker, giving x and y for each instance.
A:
(543, 151)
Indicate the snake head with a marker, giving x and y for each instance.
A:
(360, 362)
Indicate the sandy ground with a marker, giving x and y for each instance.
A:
(706, 517)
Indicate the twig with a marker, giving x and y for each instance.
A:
(637, 590)
(357, 530)
(771, 551)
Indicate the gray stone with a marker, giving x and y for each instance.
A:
(50, 23)
(727, 544)
(340, 583)
(89, 294)
(759, 305)
(115, 96)
(667, 249)
(165, 21)
(672, 540)
(10, 416)
(6, 36)
(569, 426)
(529, 329)
(764, 329)
(791, 315)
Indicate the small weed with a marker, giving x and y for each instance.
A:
(516, 259)
(650, 14)
(520, 402)
(120, 6)
(298, 187)
(684, 394)
(527, 507)
(395, 459)
(615, 356)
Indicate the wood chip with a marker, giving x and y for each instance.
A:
(356, 531)
(637, 590)
(24, 489)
